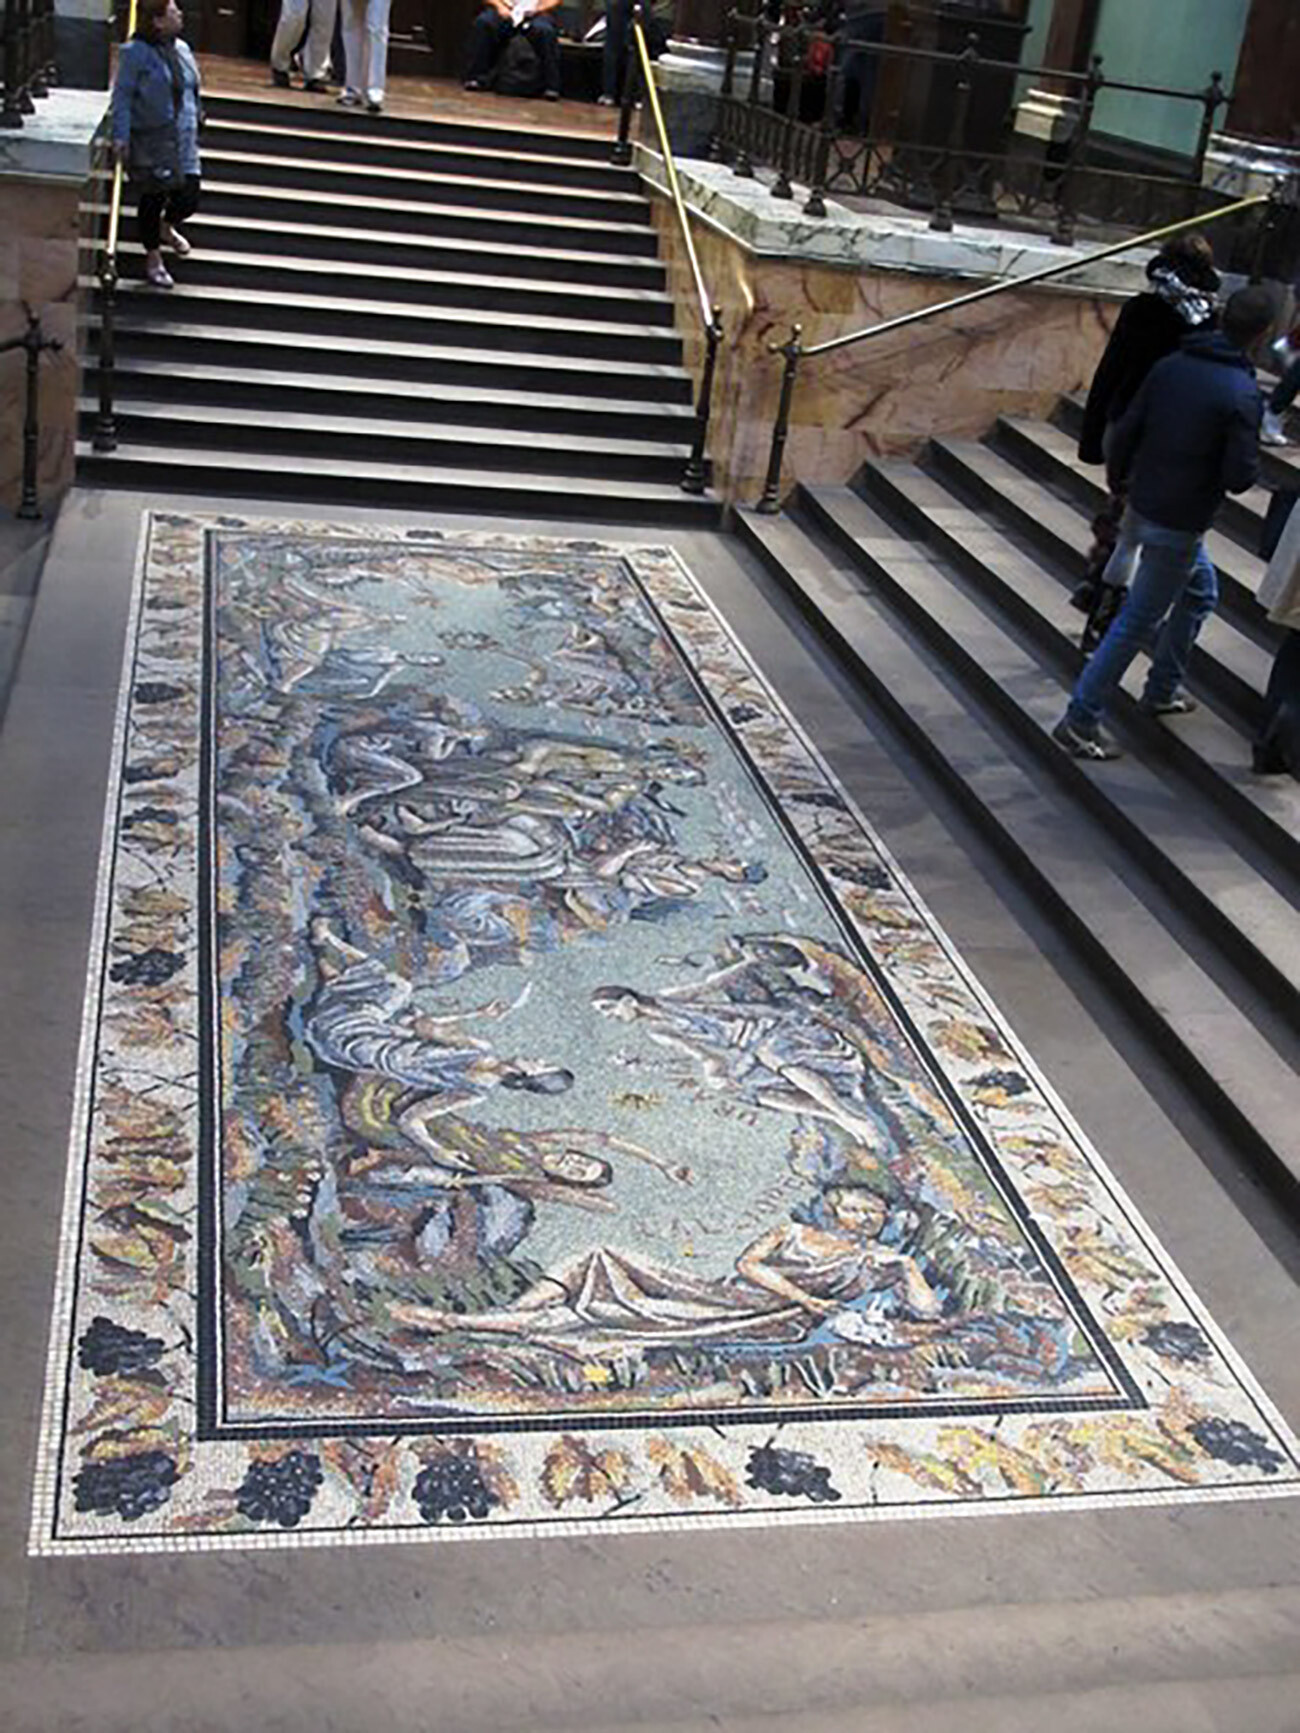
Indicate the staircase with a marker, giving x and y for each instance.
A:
(943, 588)
(416, 314)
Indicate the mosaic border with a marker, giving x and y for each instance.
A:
(710, 1479)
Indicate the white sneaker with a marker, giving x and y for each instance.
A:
(1272, 432)
(1282, 352)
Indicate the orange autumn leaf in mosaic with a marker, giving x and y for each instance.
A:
(132, 1402)
(1092, 1257)
(986, 1457)
(973, 1041)
(575, 1472)
(691, 1472)
(926, 1469)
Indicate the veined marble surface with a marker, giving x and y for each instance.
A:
(56, 142)
(895, 240)
(1015, 354)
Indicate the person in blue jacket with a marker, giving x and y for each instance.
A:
(1189, 436)
(155, 128)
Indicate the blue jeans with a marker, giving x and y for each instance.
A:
(1175, 583)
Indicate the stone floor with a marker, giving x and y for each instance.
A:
(1175, 1622)
(423, 99)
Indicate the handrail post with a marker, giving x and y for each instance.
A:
(105, 438)
(33, 344)
(717, 147)
(782, 187)
(622, 153)
(693, 481)
(1213, 97)
(770, 503)
(1063, 231)
(967, 62)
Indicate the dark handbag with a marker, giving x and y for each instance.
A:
(154, 159)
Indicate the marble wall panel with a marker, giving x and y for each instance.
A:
(1015, 354)
(38, 269)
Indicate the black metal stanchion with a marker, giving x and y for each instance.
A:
(771, 500)
(694, 479)
(31, 341)
(622, 154)
(105, 438)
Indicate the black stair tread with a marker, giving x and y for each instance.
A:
(1203, 858)
(361, 427)
(577, 486)
(489, 319)
(378, 138)
(1247, 568)
(142, 368)
(545, 257)
(221, 167)
(278, 115)
(1220, 749)
(427, 219)
(1052, 842)
(506, 361)
(1219, 637)
(319, 275)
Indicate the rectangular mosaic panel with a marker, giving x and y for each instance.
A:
(521, 1092)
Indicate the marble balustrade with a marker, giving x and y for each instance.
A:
(1014, 354)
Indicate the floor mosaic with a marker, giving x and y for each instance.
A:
(520, 1094)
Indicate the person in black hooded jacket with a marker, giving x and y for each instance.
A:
(1190, 436)
(1179, 302)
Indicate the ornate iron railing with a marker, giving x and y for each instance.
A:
(640, 77)
(26, 58)
(943, 161)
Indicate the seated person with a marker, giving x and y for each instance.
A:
(497, 23)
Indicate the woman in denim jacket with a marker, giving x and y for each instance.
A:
(156, 131)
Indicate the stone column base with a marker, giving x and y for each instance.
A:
(1047, 117)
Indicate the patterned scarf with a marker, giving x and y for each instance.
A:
(1193, 306)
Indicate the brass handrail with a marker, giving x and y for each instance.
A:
(670, 166)
(105, 438)
(693, 480)
(794, 350)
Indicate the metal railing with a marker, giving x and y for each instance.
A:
(640, 77)
(26, 58)
(105, 435)
(794, 351)
(938, 137)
